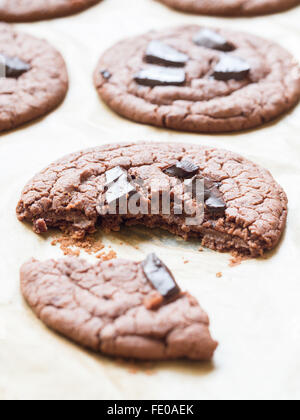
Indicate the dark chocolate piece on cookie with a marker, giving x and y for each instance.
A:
(183, 169)
(211, 39)
(106, 74)
(230, 67)
(215, 205)
(160, 76)
(162, 54)
(119, 189)
(13, 67)
(214, 202)
(209, 193)
(160, 277)
(209, 186)
(114, 174)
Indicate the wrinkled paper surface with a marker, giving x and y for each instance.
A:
(254, 308)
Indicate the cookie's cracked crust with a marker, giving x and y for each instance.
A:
(203, 104)
(237, 8)
(102, 308)
(37, 91)
(33, 10)
(66, 194)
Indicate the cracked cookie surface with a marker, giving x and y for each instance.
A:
(232, 7)
(32, 10)
(202, 103)
(37, 91)
(102, 308)
(67, 194)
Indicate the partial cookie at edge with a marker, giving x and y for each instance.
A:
(236, 8)
(34, 10)
(37, 91)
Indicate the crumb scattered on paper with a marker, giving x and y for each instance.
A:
(134, 367)
(71, 245)
(237, 260)
(219, 275)
(107, 256)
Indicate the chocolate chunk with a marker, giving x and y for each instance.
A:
(13, 66)
(230, 67)
(119, 189)
(213, 40)
(210, 194)
(214, 202)
(160, 76)
(210, 186)
(184, 169)
(106, 74)
(193, 185)
(160, 277)
(162, 54)
(114, 174)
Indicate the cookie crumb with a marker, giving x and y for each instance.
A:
(200, 249)
(149, 372)
(103, 256)
(219, 275)
(72, 246)
(237, 260)
(133, 370)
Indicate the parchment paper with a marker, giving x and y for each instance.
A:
(254, 308)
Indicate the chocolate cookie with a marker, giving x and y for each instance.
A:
(32, 10)
(114, 309)
(196, 79)
(240, 207)
(33, 79)
(231, 7)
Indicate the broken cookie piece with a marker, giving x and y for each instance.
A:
(102, 307)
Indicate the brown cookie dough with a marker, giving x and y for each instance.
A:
(102, 307)
(32, 10)
(35, 78)
(192, 95)
(251, 207)
(231, 7)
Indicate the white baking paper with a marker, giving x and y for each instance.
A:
(254, 308)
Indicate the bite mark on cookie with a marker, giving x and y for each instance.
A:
(245, 210)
